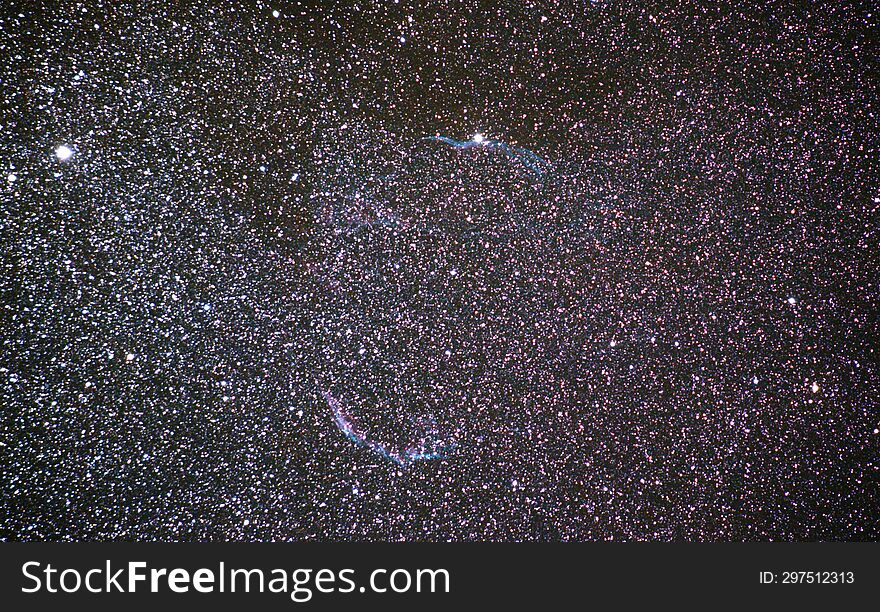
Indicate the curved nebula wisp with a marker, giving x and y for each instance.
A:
(530, 160)
(424, 449)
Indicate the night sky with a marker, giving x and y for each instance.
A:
(586, 270)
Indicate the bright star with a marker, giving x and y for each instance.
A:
(63, 152)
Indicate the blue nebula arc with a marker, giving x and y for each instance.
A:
(534, 163)
(424, 449)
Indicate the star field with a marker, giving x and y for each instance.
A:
(439, 271)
